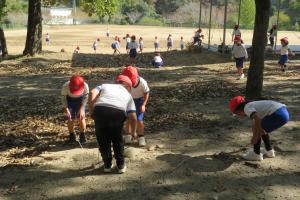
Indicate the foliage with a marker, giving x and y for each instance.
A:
(100, 8)
(247, 13)
(150, 21)
(284, 20)
(168, 6)
(3, 10)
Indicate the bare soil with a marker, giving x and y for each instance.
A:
(194, 144)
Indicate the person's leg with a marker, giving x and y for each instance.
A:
(267, 142)
(82, 128)
(140, 128)
(256, 146)
(102, 135)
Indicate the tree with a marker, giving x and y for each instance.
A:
(3, 13)
(255, 73)
(247, 13)
(34, 28)
(99, 7)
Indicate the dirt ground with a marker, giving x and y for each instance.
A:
(194, 144)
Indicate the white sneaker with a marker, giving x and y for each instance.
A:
(268, 154)
(251, 155)
(128, 139)
(142, 141)
(242, 76)
(108, 170)
(122, 170)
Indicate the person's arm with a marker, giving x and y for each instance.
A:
(64, 102)
(143, 106)
(92, 99)
(246, 53)
(257, 130)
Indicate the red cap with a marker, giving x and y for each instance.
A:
(124, 79)
(131, 73)
(285, 39)
(76, 85)
(235, 102)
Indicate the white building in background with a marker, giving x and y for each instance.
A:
(58, 15)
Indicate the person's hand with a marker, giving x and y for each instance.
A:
(143, 108)
(68, 113)
(254, 140)
(81, 114)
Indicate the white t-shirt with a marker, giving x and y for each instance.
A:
(170, 40)
(65, 91)
(140, 89)
(156, 41)
(239, 51)
(262, 108)
(236, 32)
(115, 96)
(181, 42)
(157, 59)
(127, 39)
(133, 45)
(284, 50)
(117, 44)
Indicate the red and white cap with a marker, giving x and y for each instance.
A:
(131, 73)
(235, 102)
(76, 85)
(124, 79)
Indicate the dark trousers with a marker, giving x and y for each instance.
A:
(271, 41)
(108, 126)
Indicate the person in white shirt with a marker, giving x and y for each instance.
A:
(272, 35)
(110, 105)
(140, 93)
(182, 43)
(141, 45)
(156, 44)
(169, 42)
(157, 61)
(267, 116)
(116, 45)
(74, 95)
(239, 54)
(198, 37)
(284, 52)
(133, 46)
(236, 32)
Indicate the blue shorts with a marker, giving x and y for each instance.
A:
(239, 62)
(138, 102)
(132, 53)
(156, 45)
(181, 46)
(276, 120)
(74, 105)
(157, 64)
(283, 59)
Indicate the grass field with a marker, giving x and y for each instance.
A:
(194, 144)
(67, 37)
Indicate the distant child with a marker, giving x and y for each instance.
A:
(141, 45)
(239, 54)
(133, 46)
(74, 99)
(140, 94)
(77, 49)
(267, 116)
(156, 43)
(198, 37)
(284, 52)
(47, 39)
(169, 42)
(107, 33)
(127, 41)
(95, 44)
(272, 35)
(182, 43)
(236, 32)
(116, 45)
(157, 61)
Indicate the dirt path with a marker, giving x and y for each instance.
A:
(194, 144)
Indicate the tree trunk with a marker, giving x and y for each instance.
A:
(255, 74)
(3, 43)
(34, 28)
